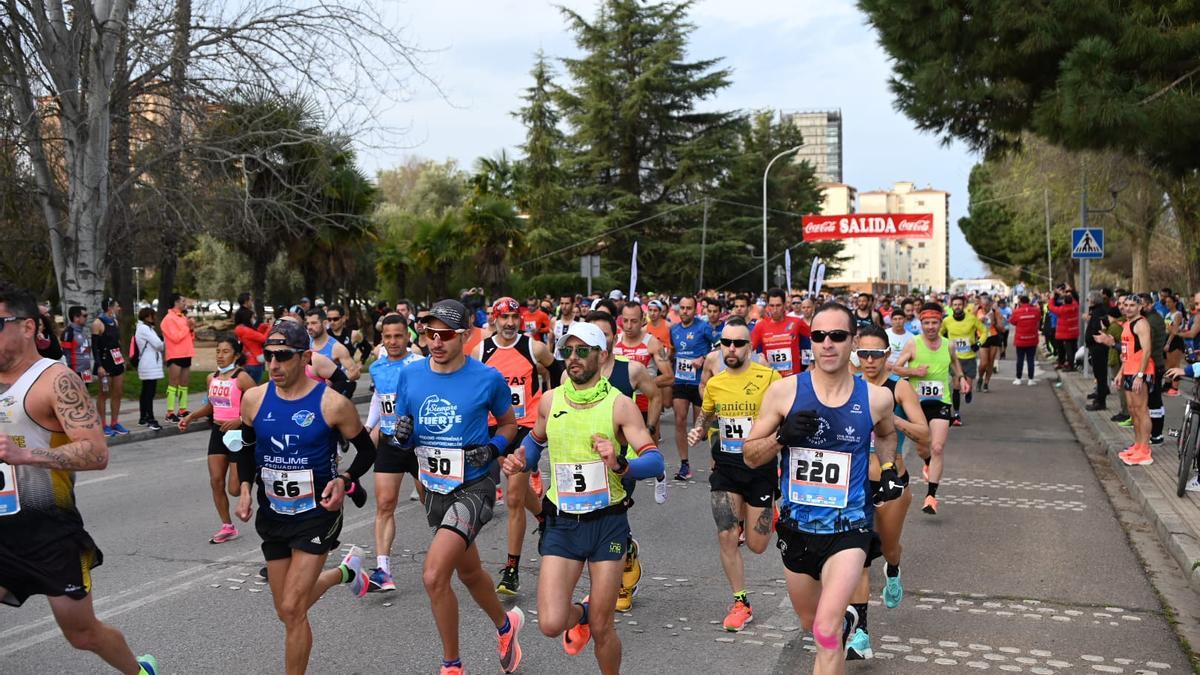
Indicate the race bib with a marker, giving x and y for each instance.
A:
(818, 477)
(530, 327)
(733, 431)
(930, 388)
(289, 492)
(387, 414)
(10, 501)
(441, 468)
(518, 399)
(961, 345)
(86, 376)
(780, 359)
(220, 393)
(117, 359)
(583, 487)
(685, 371)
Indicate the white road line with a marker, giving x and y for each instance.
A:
(100, 479)
(171, 584)
(196, 459)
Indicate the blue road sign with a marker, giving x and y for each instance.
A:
(1087, 243)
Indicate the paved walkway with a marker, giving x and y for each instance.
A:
(1175, 519)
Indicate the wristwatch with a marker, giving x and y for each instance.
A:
(652, 429)
(622, 465)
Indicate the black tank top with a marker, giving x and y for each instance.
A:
(619, 377)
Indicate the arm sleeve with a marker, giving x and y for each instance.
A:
(533, 450)
(364, 455)
(649, 464)
(245, 457)
(374, 413)
(338, 381)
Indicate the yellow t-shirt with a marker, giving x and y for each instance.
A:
(736, 399)
(963, 334)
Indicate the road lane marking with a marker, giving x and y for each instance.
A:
(100, 479)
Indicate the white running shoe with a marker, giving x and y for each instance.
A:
(1018, 382)
(415, 495)
(1193, 485)
(354, 562)
(1031, 382)
(660, 490)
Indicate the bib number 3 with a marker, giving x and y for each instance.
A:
(818, 478)
(10, 501)
(582, 487)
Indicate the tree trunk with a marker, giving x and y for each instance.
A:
(1184, 194)
(1139, 244)
(120, 230)
(174, 232)
(258, 283)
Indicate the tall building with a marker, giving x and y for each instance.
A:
(885, 265)
(822, 149)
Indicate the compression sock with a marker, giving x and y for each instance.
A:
(182, 393)
(861, 608)
(890, 570)
(384, 562)
(932, 492)
(456, 663)
(514, 560)
(956, 397)
(503, 630)
(347, 573)
(741, 595)
(170, 399)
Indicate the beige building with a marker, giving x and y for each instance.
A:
(883, 265)
(822, 131)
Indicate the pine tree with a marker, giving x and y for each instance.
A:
(540, 192)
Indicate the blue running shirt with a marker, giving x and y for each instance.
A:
(385, 374)
(690, 342)
(296, 455)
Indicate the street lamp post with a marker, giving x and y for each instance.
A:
(137, 286)
(765, 172)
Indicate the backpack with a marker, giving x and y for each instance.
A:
(134, 355)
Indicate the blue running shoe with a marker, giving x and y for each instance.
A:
(684, 473)
(859, 647)
(148, 663)
(108, 431)
(893, 592)
(119, 429)
(381, 582)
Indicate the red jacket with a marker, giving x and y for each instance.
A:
(1025, 320)
(1067, 327)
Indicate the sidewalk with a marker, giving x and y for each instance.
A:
(129, 415)
(1176, 520)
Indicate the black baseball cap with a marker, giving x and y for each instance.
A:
(452, 313)
(288, 334)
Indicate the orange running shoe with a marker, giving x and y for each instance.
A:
(739, 615)
(1139, 457)
(535, 482)
(576, 637)
(509, 646)
(452, 670)
(931, 505)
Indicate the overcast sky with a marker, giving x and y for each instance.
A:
(785, 54)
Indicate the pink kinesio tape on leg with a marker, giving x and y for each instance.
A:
(829, 642)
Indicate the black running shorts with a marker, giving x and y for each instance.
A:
(54, 568)
(315, 534)
(806, 553)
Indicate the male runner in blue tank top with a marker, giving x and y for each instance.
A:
(819, 423)
(289, 431)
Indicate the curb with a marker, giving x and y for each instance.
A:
(1176, 536)
(138, 435)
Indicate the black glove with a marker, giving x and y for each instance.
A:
(797, 427)
(888, 488)
(403, 431)
(975, 347)
(480, 455)
(357, 494)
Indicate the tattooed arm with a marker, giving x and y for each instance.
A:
(74, 411)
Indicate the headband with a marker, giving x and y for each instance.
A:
(931, 314)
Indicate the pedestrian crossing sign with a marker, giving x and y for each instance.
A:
(1087, 243)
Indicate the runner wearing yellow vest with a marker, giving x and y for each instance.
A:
(966, 333)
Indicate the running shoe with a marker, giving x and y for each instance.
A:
(684, 473)
(931, 505)
(1018, 382)
(625, 599)
(499, 495)
(971, 394)
(142, 422)
(414, 495)
(957, 421)
(741, 533)
(227, 533)
(859, 647)
(576, 637)
(1140, 457)
(1032, 382)
(893, 590)
(380, 581)
(452, 670)
(509, 644)
(660, 490)
(510, 581)
(739, 615)
(184, 412)
(632, 576)
(172, 417)
(1119, 417)
(1157, 440)
(1127, 422)
(1171, 392)
(153, 425)
(849, 625)
(354, 561)
(262, 572)
(119, 429)
(148, 664)
(535, 482)
(1193, 485)
(108, 431)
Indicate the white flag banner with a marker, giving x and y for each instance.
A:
(812, 275)
(820, 277)
(633, 273)
(787, 268)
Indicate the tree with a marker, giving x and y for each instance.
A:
(540, 192)
(423, 186)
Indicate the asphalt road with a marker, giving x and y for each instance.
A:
(1026, 569)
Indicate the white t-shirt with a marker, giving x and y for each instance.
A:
(897, 343)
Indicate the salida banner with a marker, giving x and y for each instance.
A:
(855, 225)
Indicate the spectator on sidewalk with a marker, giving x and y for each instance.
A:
(149, 348)
(1048, 322)
(252, 336)
(1024, 322)
(1158, 352)
(110, 364)
(1098, 321)
(77, 343)
(1065, 308)
(179, 334)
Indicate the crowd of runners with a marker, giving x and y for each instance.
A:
(801, 405)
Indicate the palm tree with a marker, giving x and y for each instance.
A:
(435, 248)
(493, 230)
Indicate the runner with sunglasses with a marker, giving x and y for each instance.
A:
(740, 495)
(930, 362)
(446, 400)
(290, 427)
(524, 363)
(820, 424)
(873, 356)
(580, 427)
(777, 336)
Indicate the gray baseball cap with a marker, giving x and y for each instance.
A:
(452, 313)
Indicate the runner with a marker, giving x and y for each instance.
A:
(582, 423)
(110, 364)
(536, 322)
(865, 313)
(740, 495)
(179, 334)
(77, 343)
(300, 492)
(661, 330)
(448, 398)
(524, 363)
(325, 345)
(934, 366)
(825, 535)
(993, 323)
(567, 314)
(897, 337)
(777, 337)
(712, 315)
(390, 464)
(966, 335)
(872, 350)
(225, 390)
(49, 430)
(638, 345)
(690, 342)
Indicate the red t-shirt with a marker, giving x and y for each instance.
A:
(779, 342)
(536, 324)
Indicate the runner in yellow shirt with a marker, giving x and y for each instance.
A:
(966, 333)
